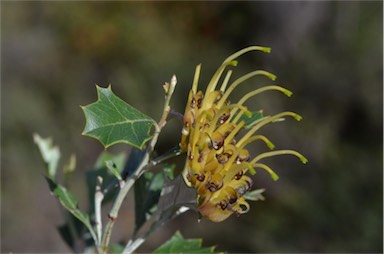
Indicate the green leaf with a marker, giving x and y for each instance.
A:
(75, 234)
(113, 169)
(147, 193)
(116, 248)
(169, 171)
(111, 120)
(135, 158)
(65, 233)
(174, 195)
(72, 232)
(255, 195)
(118, 159)
(70, 166)
(69, 202)
(251, 119)
(50, 154)
(100, 169)
(177, 244)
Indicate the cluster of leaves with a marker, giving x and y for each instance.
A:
(160, 195)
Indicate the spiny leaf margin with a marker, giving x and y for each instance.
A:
(111, 121)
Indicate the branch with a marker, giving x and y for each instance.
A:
(99, 196)
(124, 189)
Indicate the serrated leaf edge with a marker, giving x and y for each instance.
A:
(98, 90)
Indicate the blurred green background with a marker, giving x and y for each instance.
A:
(330, 54)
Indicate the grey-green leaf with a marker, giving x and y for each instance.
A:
(111, 120)
(255, 195)
(50, 154)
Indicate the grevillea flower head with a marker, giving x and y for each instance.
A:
(217, 158)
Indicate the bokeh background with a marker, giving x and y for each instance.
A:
(330, 54)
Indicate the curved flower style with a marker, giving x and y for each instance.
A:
(218, 160)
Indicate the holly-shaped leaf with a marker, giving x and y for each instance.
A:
(177, 244)
(111, 120)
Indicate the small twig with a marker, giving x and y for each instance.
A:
(112, 216)
(172, 153)
(119, 183)
(114, 184)
(177, 115)
(99, 196)
(133, 245)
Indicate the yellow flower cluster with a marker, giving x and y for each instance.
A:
(217, 160)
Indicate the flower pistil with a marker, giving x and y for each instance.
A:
(217, 160)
